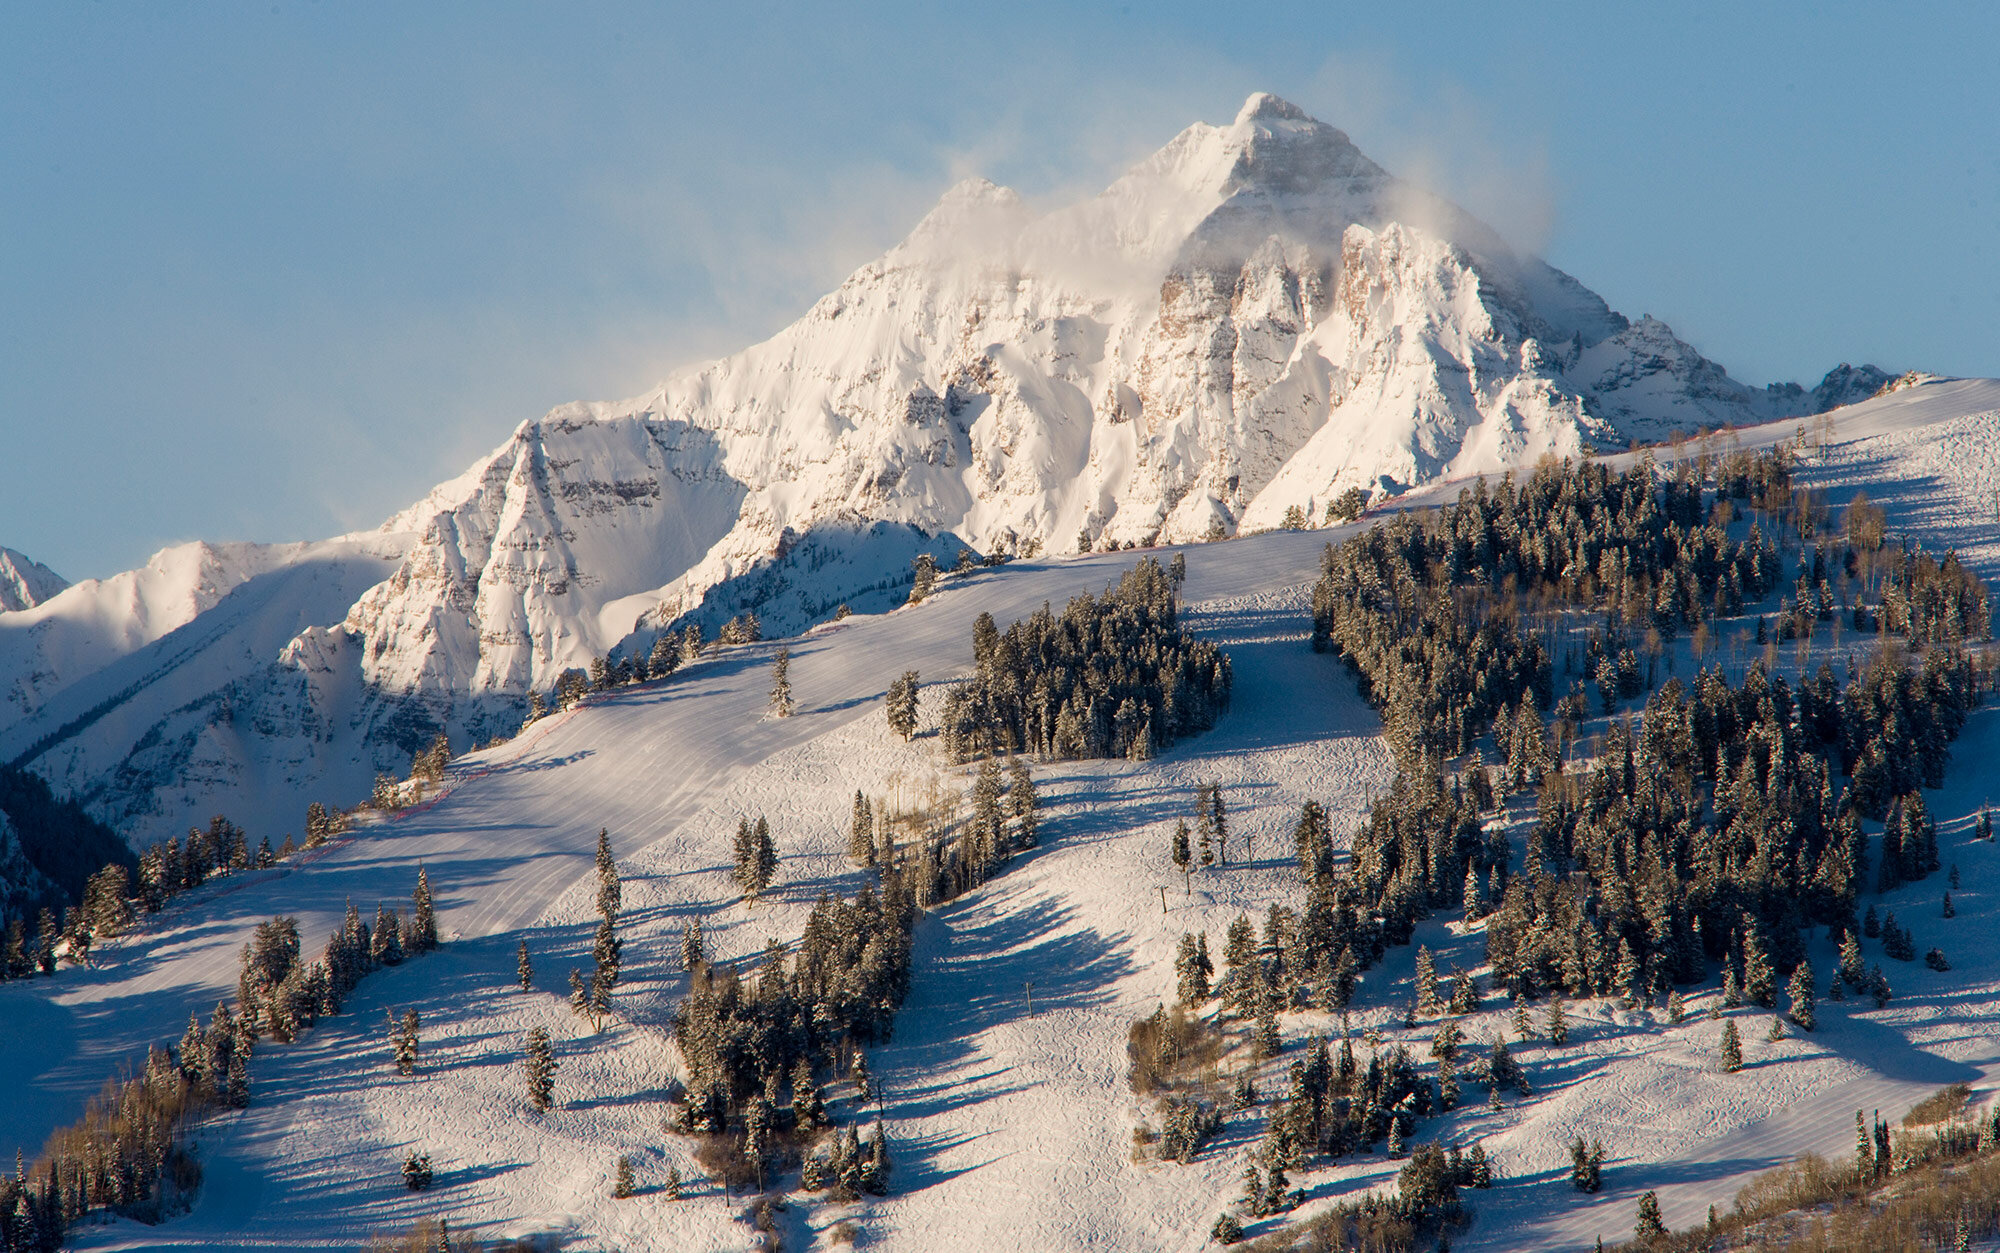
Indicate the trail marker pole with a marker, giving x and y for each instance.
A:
(1029, 987)
(1163, 900)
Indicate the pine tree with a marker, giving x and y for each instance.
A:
(766, 863)
(693, 952)
(1649, 1224)
(1464, 993)
(1626, 980)
(1192, 969)
(1218, 823)
(1558, 1029)
(1732, 1047)
(1181, 854)
(924, 572)
(901, 705)
(236, 1094)
(861, 832)
(610, 893)
(1427, 996)
(539, 1064)
(524, 969)
(404, 1035)
(781, 684)
(622, 1183)
(1852, 971)
(417, 1172)
(673, 1181)
(423, 919)
(1760, 980)
(1800, 991)
(1579, 1166)
(1024, 804)
(1269, 1043)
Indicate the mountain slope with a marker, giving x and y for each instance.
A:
(1007, 1104)
(1248, 323)
(24, 582)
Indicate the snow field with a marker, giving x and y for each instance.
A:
(1003, 1120)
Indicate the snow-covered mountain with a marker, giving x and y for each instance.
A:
(1254, 319)
(24, 582)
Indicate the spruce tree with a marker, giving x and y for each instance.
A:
(1427, 996)
(524, 969)
(622, 1182)
(1024, 804)
(693, 954)
(423, 919)
(1558, 1029)
(1649, 1225)
(1181, 854)
(861, 832)
(610, 893)
(901, 705)
(404, 1034)
(1732, 1047)
(766, 863)
(1801, 991)
(781, 684)
(539, 1066)
(1760, 980)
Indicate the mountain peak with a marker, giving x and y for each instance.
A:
(1264, 105)
(24, 582)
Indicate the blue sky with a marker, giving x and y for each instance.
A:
(271, 271)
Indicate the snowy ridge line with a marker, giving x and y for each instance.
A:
(84, 720)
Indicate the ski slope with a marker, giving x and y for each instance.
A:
(1006, 1103)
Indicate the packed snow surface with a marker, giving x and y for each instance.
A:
(1004, 1088)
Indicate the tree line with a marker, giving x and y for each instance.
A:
(1111, 676)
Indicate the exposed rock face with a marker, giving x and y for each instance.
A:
(25, 583)
(1250, 322)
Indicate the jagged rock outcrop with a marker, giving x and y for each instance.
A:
(24, 582)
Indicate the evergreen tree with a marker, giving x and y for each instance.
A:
(622, 1185)
(923, 572)
(1558, 1029)
(1192, 969)
(1649, 1224)
(673, 1181)
(1024, 804)
(693, 953)
(539, 1065)
(524, 970)
(236, 1091)
(404, 1036)
(861, 832)
(611, 893)
(1801, 993)
(1181, 854)
(1427, 996)
(1732, 1047)
(1760, 980)
(423, 932)
(781, 684)
(901, 705)
(766, 862)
